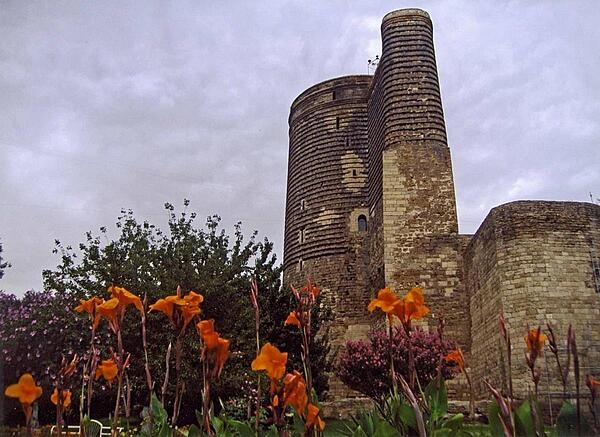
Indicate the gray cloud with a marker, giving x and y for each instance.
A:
(117, 105)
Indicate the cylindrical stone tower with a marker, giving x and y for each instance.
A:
(326, 214)
(411, 189)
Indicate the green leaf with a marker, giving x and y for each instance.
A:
(566, 423)
(194, 431)
(407, 416)
(524, 423)
(437, 398)
(494, 418)
(218, 424)
(384, 429)
(455, 422)
(241, 428)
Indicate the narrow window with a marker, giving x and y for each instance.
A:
(353, 172)
(302, 205)
(362, 223)
(337, 122)
(300, 265)
(333, 95)
(347, 142)
(301, 235)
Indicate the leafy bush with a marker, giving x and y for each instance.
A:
(365, 365)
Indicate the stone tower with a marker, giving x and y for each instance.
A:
(370, 195)
(411, 190)
(370, 202)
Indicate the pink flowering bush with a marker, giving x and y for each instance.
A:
(364, 364)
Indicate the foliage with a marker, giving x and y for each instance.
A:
(364, 365)
(3, 265)
(35, 332)
(148, 261)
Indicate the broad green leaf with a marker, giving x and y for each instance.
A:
(524, 420)
(194, 431)
(455, 422)
(495, 421)
(407, 416)
(566, 423)
(241, 428)
(437, 398)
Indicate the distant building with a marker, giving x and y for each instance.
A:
(371, 202)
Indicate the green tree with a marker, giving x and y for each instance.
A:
(148, 261)
(3, 264)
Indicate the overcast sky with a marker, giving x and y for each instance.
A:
(109, 105)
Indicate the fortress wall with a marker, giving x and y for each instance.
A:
(533, 260)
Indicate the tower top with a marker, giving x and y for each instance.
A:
(404, 13)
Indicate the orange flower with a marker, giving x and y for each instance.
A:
(222, 354)
(593, 384)
(206, 329)
(126, 297)
(271, 360)
(535, 340)
(25, 390)
(457, 357)
(292, 319)
(386, 300)
(193, 298)
(295, 391)
(110, 310)
(187, 306)
(411, 307)
(108, 369)
(89, 306)
(188, 312)
(165, 306)
(66, 397)
(313, 419)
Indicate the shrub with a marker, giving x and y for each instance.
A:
(364, 365)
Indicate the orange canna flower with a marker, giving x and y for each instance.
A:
(210, 337)
(66, 397)
(593, 384)
(126, 297)
(165, 306)
(294, 392)
(271, 360)
(89, 306)
(107, 369)
(187, 306)
(292, 319)
(411, 307)
(386, 300)
(25, 390)
(110, 310)
(222, 354)
(457, 357)
(188, 312)
(313, 419)
(193, 298)
(535, 340)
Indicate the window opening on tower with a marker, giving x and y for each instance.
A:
(362, 223)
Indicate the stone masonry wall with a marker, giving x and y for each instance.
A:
(533, 261)
(420, 230)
